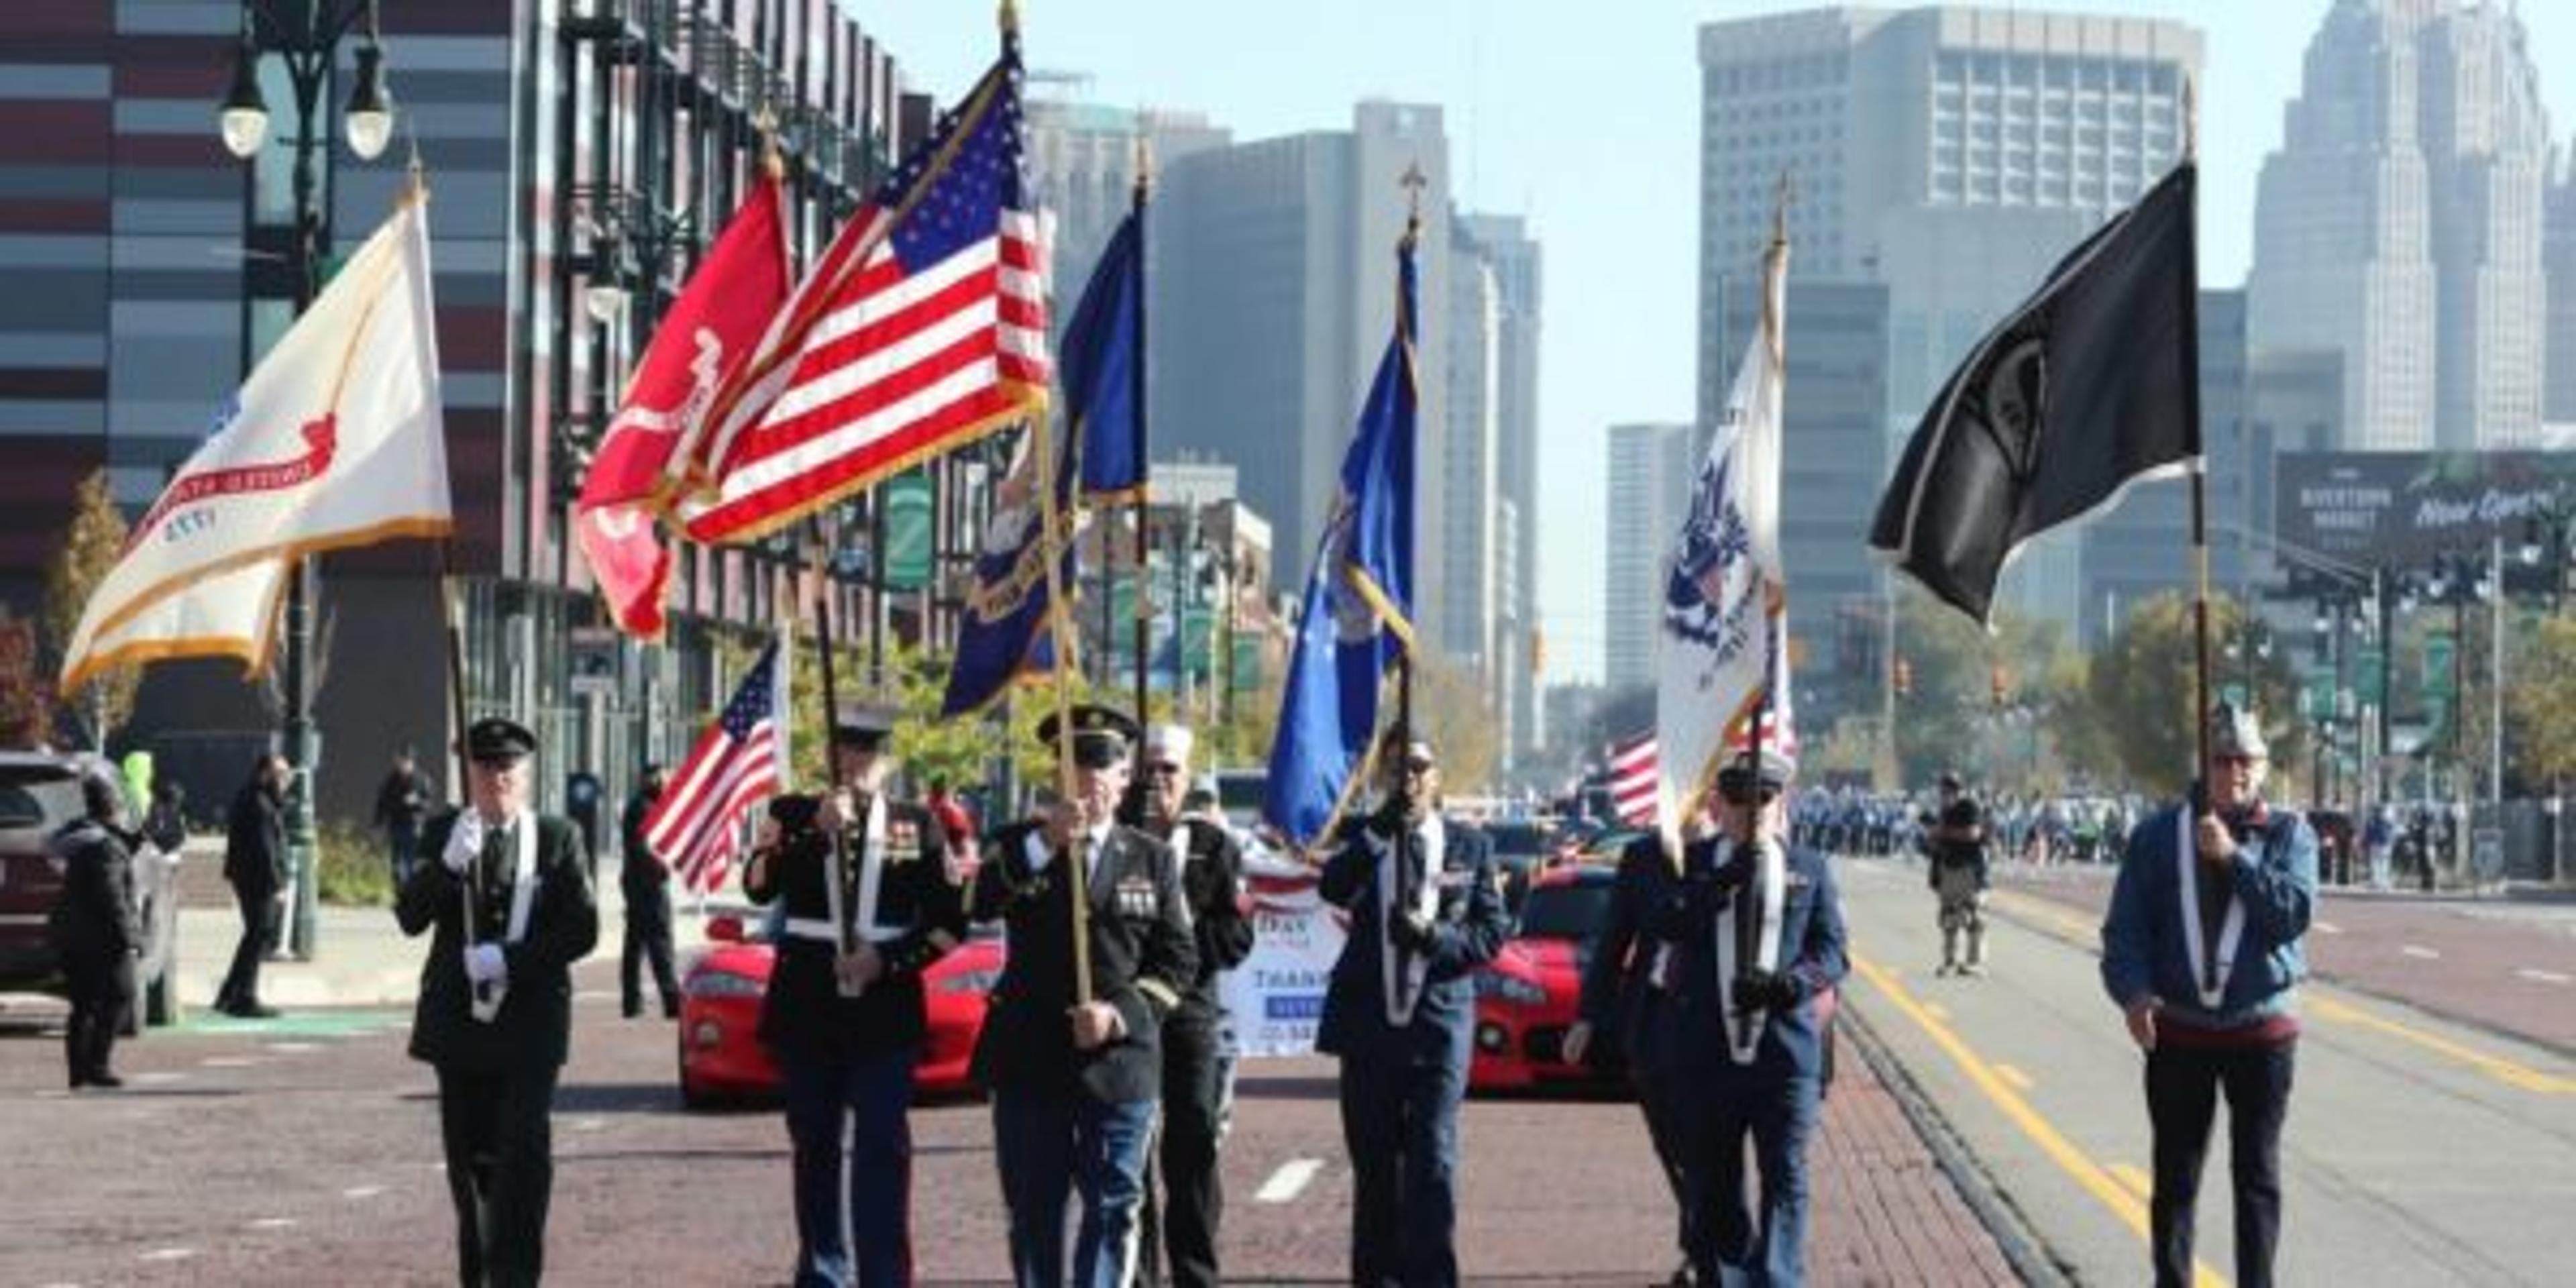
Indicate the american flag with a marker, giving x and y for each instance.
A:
(740, 759)
(1632, 780)
(923, 327)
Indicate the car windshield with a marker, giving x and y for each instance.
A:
(1565, 911)
(32, 796)
(1239, 796)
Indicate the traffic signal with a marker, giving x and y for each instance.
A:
(1904, 678)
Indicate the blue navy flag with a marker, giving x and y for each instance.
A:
(1358, 610)
(1003, 635)
(1101, 351)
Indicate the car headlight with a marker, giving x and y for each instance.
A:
(973, 981)
(1510, 988)
(723, 983)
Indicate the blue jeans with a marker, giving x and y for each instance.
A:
(1400, 1122)
(1779, 1114)
(860, 1195)
(1050, 1142)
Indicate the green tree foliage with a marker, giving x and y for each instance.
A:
(1451, 707)
(2540, 704)
(26, 697)
(1951, 719)
(90, 549)
(2143, 686)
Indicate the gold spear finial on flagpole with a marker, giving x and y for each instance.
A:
(1010, 17)
(1782, 194)
(1144, 160)
(1413, 182)
(773, 163)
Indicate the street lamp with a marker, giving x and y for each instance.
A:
(305, 35)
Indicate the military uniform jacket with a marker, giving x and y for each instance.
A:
(920, 915)
(533, 1028)
(1142, 959)
(1812, 950)
(1469, 927)
(1616, 979)
(1212, 883)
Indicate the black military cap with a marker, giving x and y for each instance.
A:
(1101, 735)
(864, 727)
(499, 738)
(1950, 781)
(1773, 771)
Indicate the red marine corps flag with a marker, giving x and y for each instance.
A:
(720, 316)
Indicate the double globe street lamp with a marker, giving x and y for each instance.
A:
(305, 36)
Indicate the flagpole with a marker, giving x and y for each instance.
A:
(1144, 626)
(2199, 470)
(826, 642)
(1774, 262)
(456, 708)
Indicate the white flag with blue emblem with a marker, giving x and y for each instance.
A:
(1723, 632)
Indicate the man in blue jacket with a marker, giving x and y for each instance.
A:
(2200, 949)
(1756, 928)
(1425, 912)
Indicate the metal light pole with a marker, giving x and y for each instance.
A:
(305, 35)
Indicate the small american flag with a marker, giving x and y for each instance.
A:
(1632, 780)
(922, 328)
(697, 824)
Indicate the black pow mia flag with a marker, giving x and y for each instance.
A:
(2090, 385)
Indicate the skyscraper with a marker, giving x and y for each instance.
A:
(1651, 468)
(2400, 223)
(1082, 157)
(2559, 242)
(1950, 153)
(1504, 245)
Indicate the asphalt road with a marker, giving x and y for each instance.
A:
(2421, 1149)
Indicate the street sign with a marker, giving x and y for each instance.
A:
(907, 530)
(2486, 850)
(2437, 664)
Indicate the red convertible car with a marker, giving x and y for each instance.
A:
(1527, 997)
(721, 1057)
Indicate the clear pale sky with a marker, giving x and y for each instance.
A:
(1583, 117)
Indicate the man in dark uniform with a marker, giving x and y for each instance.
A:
(1075, 1065)
(1955, 855)
(1198, 1061)
(1425, 913)
(869, 904)
(511, 905)
(644, 881)
(1621, 1003)
(255, 862)
(1757, 930)
(402, 805)
(94, 928)
(2202, 952)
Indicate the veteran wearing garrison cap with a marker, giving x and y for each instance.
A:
(866, 903)
(1075, 1065)
(2201, 952)
(510, 905)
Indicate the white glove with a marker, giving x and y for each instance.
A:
(484, 964)
(464, 842)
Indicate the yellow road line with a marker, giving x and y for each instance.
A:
(2019, 1080)
(2094, 1178)
(2136, 1178)
(2323, 1005)
(1936, 1010)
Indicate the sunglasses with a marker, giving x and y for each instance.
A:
(1162, 769)
(1741, 794)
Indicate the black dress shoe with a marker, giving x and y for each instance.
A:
(252, 1011)
(105, 1079)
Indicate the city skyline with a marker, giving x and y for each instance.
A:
(1530, 101)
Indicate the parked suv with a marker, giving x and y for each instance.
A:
(39, 792)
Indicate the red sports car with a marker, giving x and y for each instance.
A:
(720, 1052)
(1528, 996)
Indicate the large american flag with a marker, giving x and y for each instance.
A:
(1632, 780)
(742, 758)
(922, 327)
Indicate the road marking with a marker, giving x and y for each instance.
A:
(2019, 1080)
(2093, 1177)
(2542, 976)
(1937, 1011)
(2136, 1178)
(2324, 927)
(292, 1048)
(2497, 1067)
(158, 1076)
(274, 1223)
(169, 1254)
(588, 1124)
(2419, 952)
(1291, 1178)
(229, 1061)
(362, 1191)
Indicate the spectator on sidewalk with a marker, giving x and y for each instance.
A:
(402, 805)
(95, 930)
(2201, 950)
(645, 881)
(255, 862)
(166, 826)
(2378, 838)
(510, 902)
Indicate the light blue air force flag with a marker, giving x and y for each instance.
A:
(1358, 610)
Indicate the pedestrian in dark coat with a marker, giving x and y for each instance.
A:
(866, 903)
(402, 807)
(1075, 1064)
(95, 930)
(1425, 912)
(644, 883)
(510, 907)
(256, 863)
